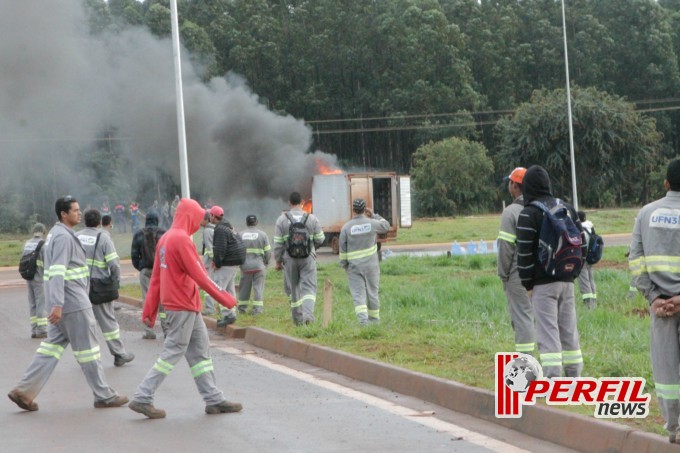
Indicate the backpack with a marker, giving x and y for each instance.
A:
(559, 242)
(228, 247)
(151, 236)
(28, 264)
(595, 248)
(299, 243)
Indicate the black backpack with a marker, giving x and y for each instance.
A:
(28, 264)
(228, 247)
(151, 236)
(595, 247)
(299, 244)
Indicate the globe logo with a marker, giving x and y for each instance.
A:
(521, 371)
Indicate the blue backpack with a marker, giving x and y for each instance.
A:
(559, 242)
(595, 247)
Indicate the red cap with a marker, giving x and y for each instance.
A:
(217, 211)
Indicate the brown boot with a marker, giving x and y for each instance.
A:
(20, 400)
(223, 408)
(116, 402)
(147, 409)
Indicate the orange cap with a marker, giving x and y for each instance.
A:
(517, 175)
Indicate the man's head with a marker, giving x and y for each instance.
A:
(106, 221)
(39, 229)
(92, 218)
(295, 199)
(672, 181)
(359, 206)
(581, 216)
(216, 214)
(68, 211)
(251, 220)
(514, 181)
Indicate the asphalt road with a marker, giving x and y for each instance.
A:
(289, 406)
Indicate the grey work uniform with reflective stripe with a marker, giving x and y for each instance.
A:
(253, 270)
(300, 273)
(103, 263)
(66, 286)
(586, 279)
(521, 311)
(224, 277)
(36, 292)
(359, 257)
(654, 262)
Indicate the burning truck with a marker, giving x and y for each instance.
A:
(385, 193)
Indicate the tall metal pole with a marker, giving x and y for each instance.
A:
(571, 127)
(183, 164)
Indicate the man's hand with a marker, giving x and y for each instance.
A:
(279, 265)
(663, 308)
(673, 306)
(368, 212)
(55, 315)
(148, 322)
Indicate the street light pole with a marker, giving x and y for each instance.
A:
(571, 127)
(182, 138)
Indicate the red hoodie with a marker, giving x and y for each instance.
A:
(178, 269)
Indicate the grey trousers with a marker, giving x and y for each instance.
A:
(556, 331)
(187, 337)
(363, 286)
(106, 318)
(78, 329)
(665, 355)
(225, 277)
(144, 281)
(36, 307)
(252, 282)
(521, 315)
(586, 282)
(301, 278)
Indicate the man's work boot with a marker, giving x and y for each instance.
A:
(228, 319)
(149, 335)
(121, 360)
(224, 407)
(20, 400)
(147, 409)
(118, 401)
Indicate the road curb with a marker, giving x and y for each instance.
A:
(570, 430)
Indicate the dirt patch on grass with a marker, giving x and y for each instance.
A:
(639, 312)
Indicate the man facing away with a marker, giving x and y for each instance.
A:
(653, 262)
(521, 312)
(36, 293)
(359, 257)
(299, 272)
(103, 262)
(254, 269)
(142, 254)
(177, 271)
(552, 298)
(586, 279)
(71, 318)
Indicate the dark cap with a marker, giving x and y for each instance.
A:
(251, 220)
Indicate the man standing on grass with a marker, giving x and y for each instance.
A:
(177, 274)
(71, 318)
(653, 261)
(521, 312)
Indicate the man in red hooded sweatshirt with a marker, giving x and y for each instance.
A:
(177, 273)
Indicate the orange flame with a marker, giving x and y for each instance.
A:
(323, 168)
(307, 206)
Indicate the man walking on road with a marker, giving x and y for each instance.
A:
(359, 257)
(300, 267)
(653, 262)
(71, 318)
(103, 262)
(36, 293)
(176, 272)
(521, 311)
(254, 270)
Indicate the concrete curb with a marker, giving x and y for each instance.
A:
(570, 430)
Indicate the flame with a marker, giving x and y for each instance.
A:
(323, 168)
(307, 206)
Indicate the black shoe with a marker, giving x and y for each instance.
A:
(149, 336)
(121, 360)
(224, 322)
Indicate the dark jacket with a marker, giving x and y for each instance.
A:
(138, 243)
(535, 187)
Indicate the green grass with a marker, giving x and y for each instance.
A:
(447, 317)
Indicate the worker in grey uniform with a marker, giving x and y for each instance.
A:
(254, 269)
(103, 262)
(586, 279)
(224, 276)
(653, 262)
(521, 311)
(359, 257)
(300, 272)
(36, 294)
(71, 318)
